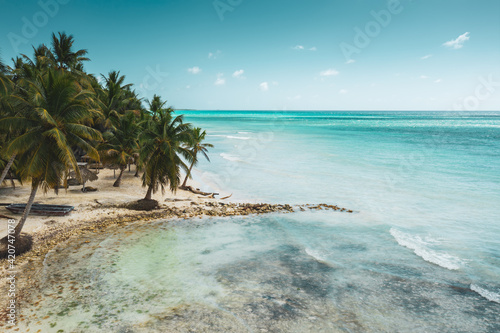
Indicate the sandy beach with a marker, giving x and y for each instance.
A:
(89, 206)
(95, 212)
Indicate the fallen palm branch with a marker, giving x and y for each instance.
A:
(197, 191)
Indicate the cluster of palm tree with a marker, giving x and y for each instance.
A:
(52, 113)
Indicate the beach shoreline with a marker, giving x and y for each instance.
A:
(96, 212)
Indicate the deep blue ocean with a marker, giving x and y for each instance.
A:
(420, 253)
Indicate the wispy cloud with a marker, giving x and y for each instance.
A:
(329, 72)
(458, 43)
(438, 81)
(220, 80)
(238, 74)
(426, 56)
(424, 77)
(302, 48)
(194, 70)
(343, 91)
(350, 61)
(214, 55)
(264, 86)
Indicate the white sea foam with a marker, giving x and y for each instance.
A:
(231, 136)
(420, 248)
(230, 157)
(244, 132)
(315, 254)
(489, 295)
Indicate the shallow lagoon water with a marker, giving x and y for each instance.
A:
(420, 253)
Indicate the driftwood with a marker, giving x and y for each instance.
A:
(6, 217)
(196, 191)
(229, 196)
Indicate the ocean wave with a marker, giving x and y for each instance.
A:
(419, 247)
(230, 136)
(489, 295)
(230, 157)
(315, 254)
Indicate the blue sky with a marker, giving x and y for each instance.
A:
(281, 55)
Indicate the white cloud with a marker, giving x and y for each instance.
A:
(329, 72)
(302, 47)
(426, 56)
(423, 77)
(194, 70)
(264, 86)
(350, 61)
(188, 87)
(343, 91)
(458, 42)
(214, 55)
(438, 81)
(238, 74)
(220, 80)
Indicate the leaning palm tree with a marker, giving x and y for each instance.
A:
(197, 146)
(55, 110)
(162, 145)
(121, 144)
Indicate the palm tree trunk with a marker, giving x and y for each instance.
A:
(20, 224)
(150, 192)
(12, 182)
(187, 175)
(7, 168)
(119, 180)
(136, 170)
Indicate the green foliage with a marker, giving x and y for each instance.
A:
(50, 109)
(121, 143)
(51, 122)
(163, 143)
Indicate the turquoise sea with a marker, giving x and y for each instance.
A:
(420, 253)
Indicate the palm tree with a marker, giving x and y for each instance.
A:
(162, 145)
(63, 55)
(197, 146)
(113, 98)
(54, 123)
(121, 143)
(156, 106)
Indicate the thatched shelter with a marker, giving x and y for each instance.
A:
(86, 174)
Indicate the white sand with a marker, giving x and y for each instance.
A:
(86, 208)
